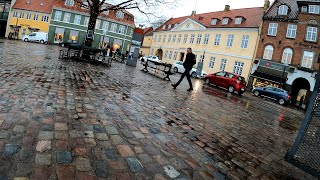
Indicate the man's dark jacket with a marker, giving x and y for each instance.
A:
(190, 61)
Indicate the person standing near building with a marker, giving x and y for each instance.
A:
(188, 63)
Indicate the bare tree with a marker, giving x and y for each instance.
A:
(95, 7)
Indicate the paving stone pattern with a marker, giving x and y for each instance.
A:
(62, 119)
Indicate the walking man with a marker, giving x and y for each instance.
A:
(187, 64)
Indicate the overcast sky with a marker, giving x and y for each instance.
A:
(202, 6)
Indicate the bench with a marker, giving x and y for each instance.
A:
(159, 68)
(66, 53)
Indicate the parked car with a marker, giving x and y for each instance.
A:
(279, 95)
(41, 37)
(232, 82)
(151, 58)
(178, 68)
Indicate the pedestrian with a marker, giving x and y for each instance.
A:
(188, 63)
(301, 101)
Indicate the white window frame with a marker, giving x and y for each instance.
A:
(105, 25)
(121, 29)
(170, 54)
(217, 40)
(113, 27)
(312, 33)
(159, 38)
(273, 28)
(185, 38)
(223, 64)
(238, 67)
(164, 38)
(206, 38)
(15, 14)
(175, 55)
(45, 18)
(212, 61)
(268, 52)
(283, 10)
(314, 9)
(86, 21)
(28, 16)
(179, 38)
(69, 2)
(120, 14)
(98, 24)
(291, 31)
(245, 41)
(67, 17)
(21, 15)
(77, 19)
(36, 17)
(307, 61)
(287, 56)
(225, 21)
(238, 20)
(230, 40)
(169, 38)
(174, 38)
(199, 38)
(192, 38)
(214, 21)
(57, 15)
(166, 54)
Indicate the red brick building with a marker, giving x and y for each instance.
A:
(288, 49)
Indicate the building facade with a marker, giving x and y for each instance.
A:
(69, 23)
(288, 48)
(146, 44)
(28, 16)
(5, 6)
(222, 41)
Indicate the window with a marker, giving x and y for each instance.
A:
(69, 3)
(98, 24)
(291, 31)
(35, 17)
(15, 14)
(179, 38)
(174, 38)
(155, 38)
(67, 17)
(272, 31)
(287, 56)
(57, 16)
(185, 38)
(159, 39)
(45, 18)
(166, 54)
(245, 41)
(86, 21)
(191, 38)
(164, 38)
(120, 14)
(169, 39)
(223, 64)
(22, 15)
(29, 16)
(163, 27)
(268, 52)
(230, 40)
(58, 36)
(220, 74)
(113, 27)
(307, 59)
(175, 55)
(214, 21)
(170, 55)
(238, 20)
(106, 12)
(206, 39)
(312, 34)
(211, 63)
(199, 38)
(238, 67)
(84, 5)
(314, 9)
(121, 29)
(105, 25)
(225, 20)
(77, 19)
(283, 10)
(217, 40)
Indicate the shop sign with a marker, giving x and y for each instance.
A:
(273, 65)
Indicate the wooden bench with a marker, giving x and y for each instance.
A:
(69, 53)
(158, 68)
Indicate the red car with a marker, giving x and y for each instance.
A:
(232, 82)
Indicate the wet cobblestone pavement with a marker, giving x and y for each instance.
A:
(61, 119)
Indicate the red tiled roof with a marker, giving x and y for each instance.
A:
(273, 10)
(252, 16)
(138, 30)
(34, 5)
(147, 30)
(128, 18)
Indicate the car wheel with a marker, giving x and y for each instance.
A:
(41, 41)
(26, 40)
(256, 93)
(193, 74)
(207, 81)
(282, 101)
(231, 89)
(175, 69)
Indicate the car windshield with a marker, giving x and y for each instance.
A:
(242, 79)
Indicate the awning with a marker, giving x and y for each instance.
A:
(59, 31)
(34, 29)
(268, 77)
(105, 39)
(117, 41)
(74, 33)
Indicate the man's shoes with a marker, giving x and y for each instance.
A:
(190, 89)
(174, 86)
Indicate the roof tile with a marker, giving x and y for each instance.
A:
(34, 5)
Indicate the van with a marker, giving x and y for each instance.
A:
(41, 37)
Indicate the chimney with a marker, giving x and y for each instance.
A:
(193, 13)
(266, 4)
(227, 8)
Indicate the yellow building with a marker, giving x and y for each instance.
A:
(227, 39)
(146, 44)
(28, 16)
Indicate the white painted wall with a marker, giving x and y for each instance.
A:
(302, 74)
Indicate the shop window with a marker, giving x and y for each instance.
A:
(59, 33)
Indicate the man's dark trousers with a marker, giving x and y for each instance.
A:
(185, 73)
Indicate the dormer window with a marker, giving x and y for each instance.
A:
(225, 20)
(84, 5)
(69, 2)
(238, 20)
(214, 21)
(120, 14)
(28, 2)
(283, 10)
(314, 9)
(163, 27)
(304, 9)
(41, 4)
(169, 26)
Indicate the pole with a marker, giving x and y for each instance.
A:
(16, 28)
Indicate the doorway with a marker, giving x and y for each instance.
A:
(181, 56)
(300, 89)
